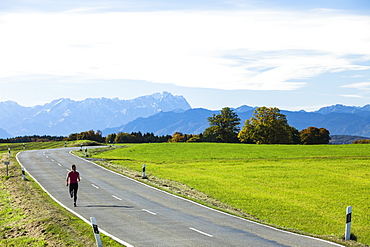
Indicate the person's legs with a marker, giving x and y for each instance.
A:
(71, 190)
(75, 193)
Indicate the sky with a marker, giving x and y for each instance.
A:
(294, 55)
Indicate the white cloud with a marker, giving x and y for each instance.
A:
(219, 49)
(359, 85)
(353, 96)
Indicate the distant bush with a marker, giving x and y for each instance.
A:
(365, 141)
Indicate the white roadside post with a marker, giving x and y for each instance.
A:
(8, 152)
(96, 232)
(24, 174)
(7, 163)
(347, 235)
(144, 172)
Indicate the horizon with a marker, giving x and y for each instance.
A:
(276, 53)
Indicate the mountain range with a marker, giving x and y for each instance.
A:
(338, 119)
(159, 113)
(62, 117)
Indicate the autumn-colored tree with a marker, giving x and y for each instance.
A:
(177, 137)
(268, 126)
(313, 135)
(224, 127)
(87, 135)
(195, 138)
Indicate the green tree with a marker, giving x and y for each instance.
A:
(223, 126)
(268, 126)
(123, 137)
(313, 135)
(110, 138)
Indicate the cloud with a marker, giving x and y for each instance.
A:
(259, 50)
(358, 85)
(353, 96)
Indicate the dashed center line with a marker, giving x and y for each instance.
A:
(52, 160)
(198, 231)
(59, 164)
(93, 185)
(145, 210)
(116, 197)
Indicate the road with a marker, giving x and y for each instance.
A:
(136, 214)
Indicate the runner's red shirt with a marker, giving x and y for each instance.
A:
(73, 177)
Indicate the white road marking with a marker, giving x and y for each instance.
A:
(59, 164)
(117, 197)
(47, 156)
(93, 185)
(149, 211)
(67, 170)
(198, 231)
(52, 160)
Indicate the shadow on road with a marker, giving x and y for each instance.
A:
(105, 206)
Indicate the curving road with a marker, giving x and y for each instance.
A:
(138, 215)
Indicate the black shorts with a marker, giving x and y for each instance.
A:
(73, 189)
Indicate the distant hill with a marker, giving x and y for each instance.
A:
(339, 120)
(345, 139)
(4, 134)
(192, 121)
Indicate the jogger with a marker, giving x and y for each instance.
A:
(72, 179)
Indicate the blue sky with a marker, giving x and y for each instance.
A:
(288, 54)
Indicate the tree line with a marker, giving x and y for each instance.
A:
(266, 126)
(34, 138)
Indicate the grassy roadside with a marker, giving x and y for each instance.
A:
(29, 217)
(303, 189)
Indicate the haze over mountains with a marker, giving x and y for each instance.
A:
(160, 113)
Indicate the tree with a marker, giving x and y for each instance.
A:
(224, 126)
(313, 135)
(110, 138)
(123, 137)
(177, 137)
(268, 126)
(87, 135)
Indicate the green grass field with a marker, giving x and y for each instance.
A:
(302, 188)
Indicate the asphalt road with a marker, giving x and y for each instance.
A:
(138, 215)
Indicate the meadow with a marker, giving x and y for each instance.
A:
(303, 188)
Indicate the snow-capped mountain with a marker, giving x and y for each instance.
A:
(66, 116)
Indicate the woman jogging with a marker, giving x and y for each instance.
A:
(72, 179)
